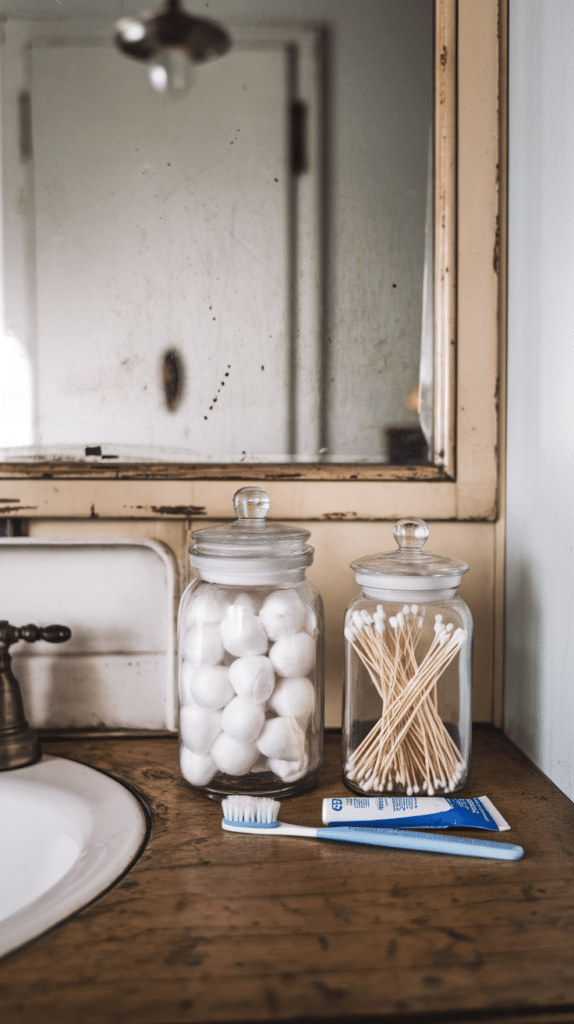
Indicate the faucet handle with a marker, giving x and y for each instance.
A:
(19, 743)
(53, 634)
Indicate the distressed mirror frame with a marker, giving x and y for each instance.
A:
(462, 482)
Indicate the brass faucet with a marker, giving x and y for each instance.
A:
(19, 744)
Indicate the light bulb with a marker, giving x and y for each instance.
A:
(130, 30)
(171, 73)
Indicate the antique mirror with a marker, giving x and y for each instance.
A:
(259, 272)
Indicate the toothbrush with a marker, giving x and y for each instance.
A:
(257, 815)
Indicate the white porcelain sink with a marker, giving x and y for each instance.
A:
(67, 832)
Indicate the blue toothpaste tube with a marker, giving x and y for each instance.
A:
(414, 812)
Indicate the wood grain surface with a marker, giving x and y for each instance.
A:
(214, 926)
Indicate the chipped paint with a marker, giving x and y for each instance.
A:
(187, 511)
(338, 516)
(496, 256)
(10, 509)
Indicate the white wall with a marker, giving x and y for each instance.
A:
(539, 703)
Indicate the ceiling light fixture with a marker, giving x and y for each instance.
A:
(171, 41)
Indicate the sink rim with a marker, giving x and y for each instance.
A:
(118, 831)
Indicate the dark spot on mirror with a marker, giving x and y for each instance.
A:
(172, 378)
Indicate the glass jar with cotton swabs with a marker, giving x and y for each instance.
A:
(407, 717)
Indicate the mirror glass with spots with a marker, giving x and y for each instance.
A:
(242, 274)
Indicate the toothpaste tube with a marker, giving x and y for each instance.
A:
(414, 812)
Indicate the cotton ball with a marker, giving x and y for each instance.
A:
(243, 720)
(288, 771)
(293, 698)
(248, 602)
(199, 728)
(198, 769)
(281, 738)
(233, 757)
(185, 683)
(242, 633)
(283, 612)
(211, 688)
(253, 678)
(293, 655)
(311, 624)
(209, 605)
(202, 645)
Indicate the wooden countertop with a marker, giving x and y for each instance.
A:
(214, 926)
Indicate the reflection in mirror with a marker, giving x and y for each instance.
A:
(244, 274)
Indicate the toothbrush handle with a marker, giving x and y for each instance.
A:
(429, 841)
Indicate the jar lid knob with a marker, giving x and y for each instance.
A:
(411, 533)
(251, 503)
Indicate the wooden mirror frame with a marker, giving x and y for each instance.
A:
(462, 482)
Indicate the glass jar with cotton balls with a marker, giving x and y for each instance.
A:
(250, 658)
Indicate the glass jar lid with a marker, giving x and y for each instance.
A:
(251, 544)
(409, 567)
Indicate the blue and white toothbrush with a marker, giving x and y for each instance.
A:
(258, 815)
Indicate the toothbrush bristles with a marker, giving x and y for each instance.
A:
(241, 809)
